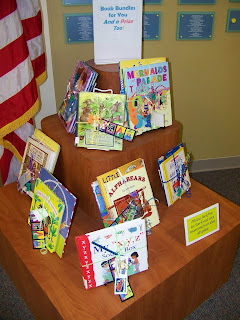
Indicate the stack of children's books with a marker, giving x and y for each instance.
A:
(146, 84)
(83, 79)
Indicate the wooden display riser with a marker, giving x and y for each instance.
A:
(178, 280)
(77, 168)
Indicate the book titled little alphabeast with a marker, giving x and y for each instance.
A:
(148, 97)
(174, 174)
(126, 188)
(92, 107)
(95, 249)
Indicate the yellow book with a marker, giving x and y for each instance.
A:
(128, 184)
(51, 144)
(45, 199)
(132, 63)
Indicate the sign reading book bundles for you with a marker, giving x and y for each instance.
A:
(117, 30)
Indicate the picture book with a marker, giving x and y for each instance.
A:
(95, 249)
(101, 204)
(40, 151)
(128, 195)
(45, 200)
(69, 201)
(94, 106)
(173, 171)
(83, 79)
(148, 97)
(134, 63)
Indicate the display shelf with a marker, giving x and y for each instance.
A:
(178, 280)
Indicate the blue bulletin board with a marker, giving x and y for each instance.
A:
(152, 25)
(195, 25)
(76, 2)
(233, 20)
(78, 27)
(196, 1)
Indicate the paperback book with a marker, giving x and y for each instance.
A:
(45, 201)
(128, 195)
(92, 107)
(83, 79)
(148, 97)
(40, 151)
(95, 249)
(69, 201)
(173, 171)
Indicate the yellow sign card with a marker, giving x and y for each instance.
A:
(201, 224)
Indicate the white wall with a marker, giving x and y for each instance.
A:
(47, 92)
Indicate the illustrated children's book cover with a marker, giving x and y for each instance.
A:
(94, 106)
(36, 155)
(134, 63)
(96, 248)
(173, 170)
(83, 79)
(148, 97)
(127, 194)
(69, 201)
(46, 200)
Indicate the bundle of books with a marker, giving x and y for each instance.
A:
(83, 79)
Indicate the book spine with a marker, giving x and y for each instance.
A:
(85, 256)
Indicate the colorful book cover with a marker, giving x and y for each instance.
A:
(83, 79)
(96, 248)
(36, 155)
(134, 63)
(127, 194)
(45, 199)
(69, 201)
(148, 97)
(174, 174)
(94, 106)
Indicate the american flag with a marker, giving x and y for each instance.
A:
(22, 68)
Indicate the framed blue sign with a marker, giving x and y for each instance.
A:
(197, 1)
(152, 1)
(152, 25)
(195, 25)
(76, 2)
(78, 27)
(233, 20)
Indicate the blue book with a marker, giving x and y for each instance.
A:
(69, 200)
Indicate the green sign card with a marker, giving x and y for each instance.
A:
(201, 224)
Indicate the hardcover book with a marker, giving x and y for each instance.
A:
(128, 195)
(174, 174)
(95, 249)
(148, 97)
(46, 200)
(83, 79)
(94, 106)
(134, 63)
(69, 201)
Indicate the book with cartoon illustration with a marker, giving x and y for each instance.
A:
(69, 201)
(148, 97)
(128, 195)
(83, 79)
(44, 199)
(174, 174)
(96, 249)
(94, 106)
(134, 63)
